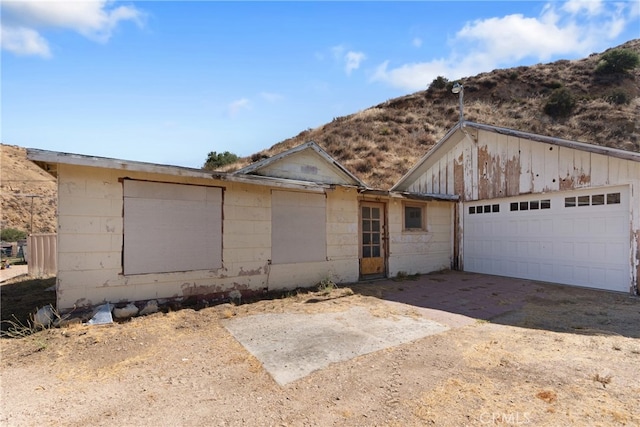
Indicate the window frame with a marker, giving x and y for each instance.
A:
(423, 217)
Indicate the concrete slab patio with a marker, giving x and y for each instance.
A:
(292, 345)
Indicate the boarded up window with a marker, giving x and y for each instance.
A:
(298, 227)
(171, 227)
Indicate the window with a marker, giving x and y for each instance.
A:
(171, 227)
(413, 217)
(514, 206)
(597, 199)
(613, 198)
(524, 206)
(496, 208)
(569, 202)
(472, 209)
(583, 200)
(534, 204)
(298, 227)
(545, 204)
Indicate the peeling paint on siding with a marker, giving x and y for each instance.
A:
(458, 175)
(484, 185)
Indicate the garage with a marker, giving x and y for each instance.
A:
(579, 237)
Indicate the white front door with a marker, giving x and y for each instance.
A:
(579, 238)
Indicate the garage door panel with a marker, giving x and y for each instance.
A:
(586, 245)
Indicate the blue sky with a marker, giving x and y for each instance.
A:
(168, 82)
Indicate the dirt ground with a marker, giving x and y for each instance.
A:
(565, 356)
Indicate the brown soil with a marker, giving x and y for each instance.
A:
(184, 368)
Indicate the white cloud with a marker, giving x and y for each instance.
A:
(94, 19)
(576, 28)
(271, 97)
(353, 60)
(416, 42)
(240, 104)
(24, 41)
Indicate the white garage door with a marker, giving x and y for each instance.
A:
(575, 238)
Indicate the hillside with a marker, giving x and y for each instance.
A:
(379, 144)
(20, 179)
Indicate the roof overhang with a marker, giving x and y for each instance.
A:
(49, 161)
(427, 197)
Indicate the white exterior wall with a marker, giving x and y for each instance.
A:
(499, 166)
(342, 247)
(413, 251)
(90, 242)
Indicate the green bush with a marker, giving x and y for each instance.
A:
(439, 82)
(12, 235)
(215, 160)
(617, 61)
(560, 103)
(618, 97)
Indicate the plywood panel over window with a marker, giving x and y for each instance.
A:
(298, 227)
(171, 227)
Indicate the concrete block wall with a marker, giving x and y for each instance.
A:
(90, 242)
(414, 252)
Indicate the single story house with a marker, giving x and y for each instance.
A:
(537, 207)
(133, 231)
(485, 199)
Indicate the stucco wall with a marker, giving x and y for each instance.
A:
(90, 240)
(414, 252)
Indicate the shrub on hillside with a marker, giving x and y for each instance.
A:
(12, 235)
(560, 103)
(618, 97)
(439, 82)
(215, 160)
(617, 61)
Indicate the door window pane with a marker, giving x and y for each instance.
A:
(366, 251)
(376, 251)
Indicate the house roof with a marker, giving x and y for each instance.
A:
(49, 160)
(267, 165)
(460, 130)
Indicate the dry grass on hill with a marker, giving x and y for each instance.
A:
(381, 143)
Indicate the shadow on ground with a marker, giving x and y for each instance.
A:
(19, 299)
(514, 302)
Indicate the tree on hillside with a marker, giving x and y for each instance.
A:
(617, 61)
(216, 160)
(12, 235)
